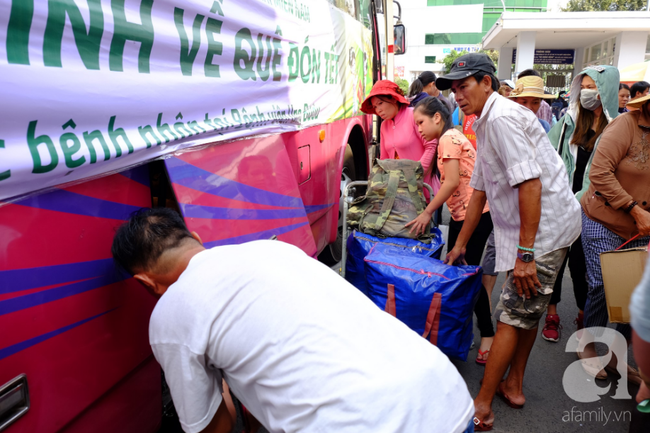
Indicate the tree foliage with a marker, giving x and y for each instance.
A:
(403, 84)
(453, 55)
(605, 5)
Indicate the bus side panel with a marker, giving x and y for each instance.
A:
(74, 324)
(241, 191)
(322, 192)
(113, 415)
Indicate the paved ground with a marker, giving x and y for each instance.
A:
(548, 408)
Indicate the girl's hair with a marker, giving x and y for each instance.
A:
(416, 88)
(623, 86)
(422, 80)
(503, 89)
(584, 121)
(429, 106)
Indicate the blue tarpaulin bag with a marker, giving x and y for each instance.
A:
(433, 299)
(360, 244)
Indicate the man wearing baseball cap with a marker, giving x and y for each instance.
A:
(536, 218)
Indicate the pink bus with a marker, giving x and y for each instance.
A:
(244, 116)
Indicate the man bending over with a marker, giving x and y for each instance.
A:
(299, 346)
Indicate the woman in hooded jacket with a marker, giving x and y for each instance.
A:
(593, 104)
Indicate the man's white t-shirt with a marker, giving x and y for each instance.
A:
(300, 347)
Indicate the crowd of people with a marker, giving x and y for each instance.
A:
(531, 187)
(539, 186)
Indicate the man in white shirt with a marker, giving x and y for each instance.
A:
(535, 219)
(301, 348)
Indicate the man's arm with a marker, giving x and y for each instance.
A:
(472, 218)
(222, 421)
(530, 209)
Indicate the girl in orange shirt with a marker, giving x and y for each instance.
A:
(455, 161)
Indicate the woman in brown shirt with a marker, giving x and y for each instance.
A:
(615, 209)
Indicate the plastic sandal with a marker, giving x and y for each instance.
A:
(481, 354)
(506, 399)
(482, 425)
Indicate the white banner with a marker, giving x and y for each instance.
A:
(93, 86)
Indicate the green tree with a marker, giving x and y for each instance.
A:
(605, 5)
(453, 55)
(403, 84)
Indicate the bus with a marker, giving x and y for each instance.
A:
(243, 116)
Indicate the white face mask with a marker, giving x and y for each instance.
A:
(589, 99)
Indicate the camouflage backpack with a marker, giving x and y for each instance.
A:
(394, 198)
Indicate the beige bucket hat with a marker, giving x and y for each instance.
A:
(531, 87)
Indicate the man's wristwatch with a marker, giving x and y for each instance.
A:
(525, 256)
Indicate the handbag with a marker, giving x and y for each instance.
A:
(433, 299)
(394, 198)
(360, 244)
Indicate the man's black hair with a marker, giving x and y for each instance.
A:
(529, 73)
(495, 82)
(638, 88)
(140, 241)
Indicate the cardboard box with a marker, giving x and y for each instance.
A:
(622, 272)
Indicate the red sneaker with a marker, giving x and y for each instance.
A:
(552, 327)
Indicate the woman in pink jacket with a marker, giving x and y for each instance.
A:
(399, 134)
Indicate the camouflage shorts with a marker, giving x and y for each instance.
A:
(519, 312)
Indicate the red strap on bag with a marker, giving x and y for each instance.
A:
(390, 301)
(631, 239)
(433, 319)
(432, 326)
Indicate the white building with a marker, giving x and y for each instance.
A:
(595, 38)
(435, 27)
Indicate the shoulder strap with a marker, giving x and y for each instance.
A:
(409, 175)
(389, 200)
(390, 301)
(433, 319)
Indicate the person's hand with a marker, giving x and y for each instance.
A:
(525, 278)
(642, 218)
(420, 223)
(456, 256)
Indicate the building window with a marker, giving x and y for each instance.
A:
(429, 59)
(539, 4)
(601, 53)
(453, 38)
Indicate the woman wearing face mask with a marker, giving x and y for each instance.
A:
(454, 159)
(399, 135)
(593, 104)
